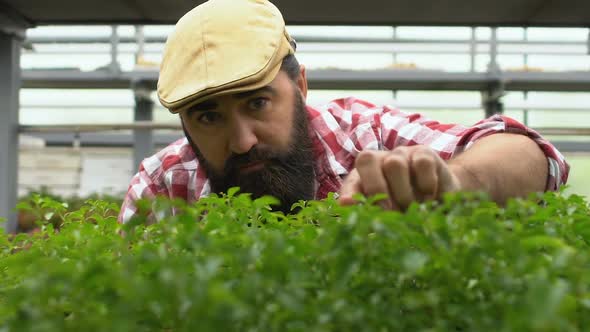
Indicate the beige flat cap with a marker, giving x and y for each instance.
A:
(221, 47)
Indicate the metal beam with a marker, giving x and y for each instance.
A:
(302, 39)
(161, 140)
(10, 45)
(77, 79)
(326, 12)
(143, 141)
(13, 22)
(568, 146)
(93, 128)
(337, 79)
(149, 125)
(491, 98)
(104, 140)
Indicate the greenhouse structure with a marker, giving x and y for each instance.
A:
(130, 39)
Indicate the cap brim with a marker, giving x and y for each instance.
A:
(266, 80)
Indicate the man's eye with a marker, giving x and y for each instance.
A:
(209, 117)
(258, 103)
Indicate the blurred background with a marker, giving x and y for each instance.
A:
(81, 82)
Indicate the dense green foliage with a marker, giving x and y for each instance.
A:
(31, 208)
(463, 264)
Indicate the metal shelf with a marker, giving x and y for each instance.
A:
(163, 139)
(335, 79)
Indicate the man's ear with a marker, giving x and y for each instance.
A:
(302, 82)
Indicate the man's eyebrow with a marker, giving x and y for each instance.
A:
(267, 88)
(210, 105)
(202, 107)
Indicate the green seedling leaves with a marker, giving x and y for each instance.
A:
(230, 263)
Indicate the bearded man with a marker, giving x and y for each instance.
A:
(230, 72)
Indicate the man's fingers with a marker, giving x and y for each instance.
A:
(396, 168)
(405, 174)
(447, 180)
(425, 174)
(350, 186)
(368, 165)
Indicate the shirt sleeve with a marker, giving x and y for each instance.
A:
(140, 187)
(404, 129)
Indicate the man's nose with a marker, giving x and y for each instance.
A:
(242, 135)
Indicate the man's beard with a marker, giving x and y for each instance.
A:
(286, 174)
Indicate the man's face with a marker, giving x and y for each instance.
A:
(258, 141)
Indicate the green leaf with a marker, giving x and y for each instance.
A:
(25, 206)
(227, 263)
(414, 261)
(542, 242)
(231, 192)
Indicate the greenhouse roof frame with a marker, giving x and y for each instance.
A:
(571, 13)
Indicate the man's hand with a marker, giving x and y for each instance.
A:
(406, 174)
(501, 165)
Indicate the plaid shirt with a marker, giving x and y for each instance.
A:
(342, 129)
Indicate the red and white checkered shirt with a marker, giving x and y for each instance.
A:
(342, 128)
